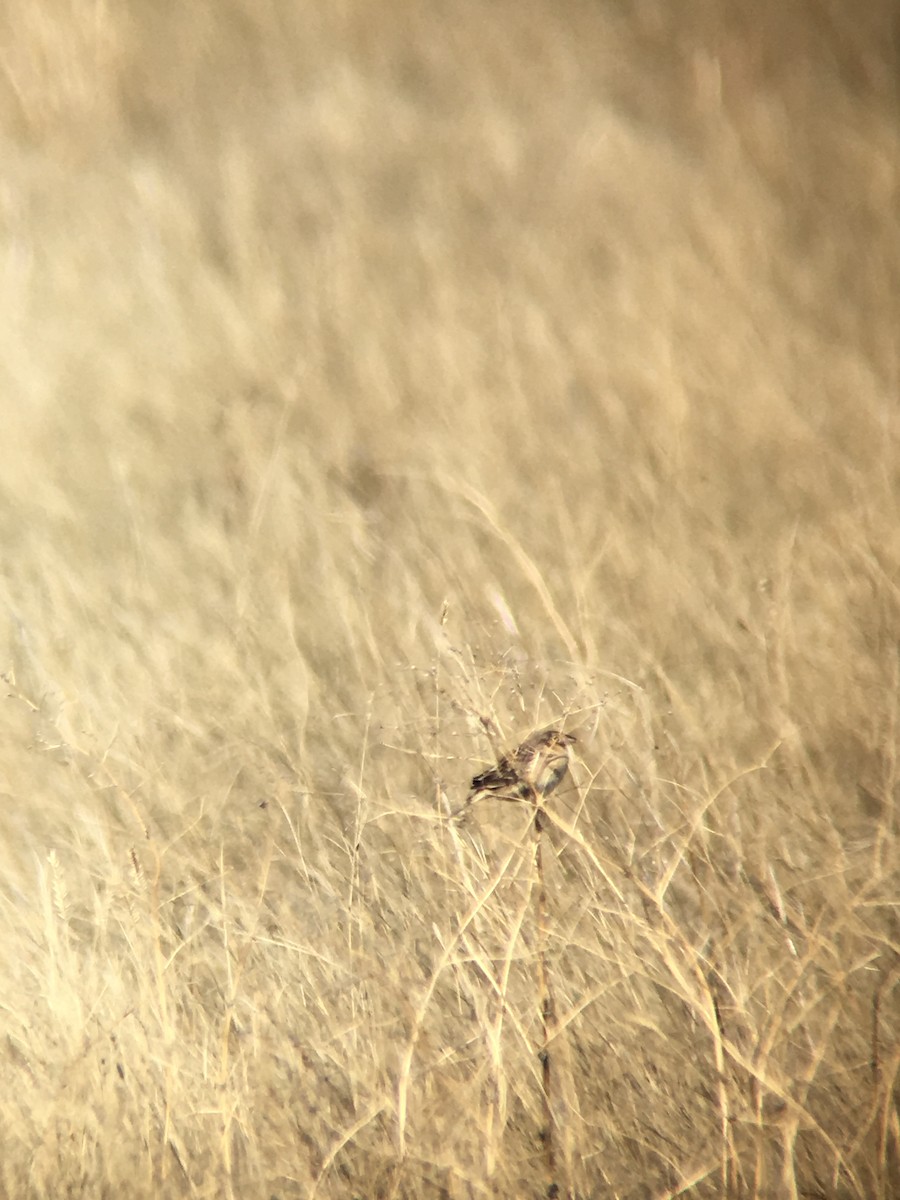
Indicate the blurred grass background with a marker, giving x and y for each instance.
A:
(371, 370)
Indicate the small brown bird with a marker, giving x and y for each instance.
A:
(538, 766)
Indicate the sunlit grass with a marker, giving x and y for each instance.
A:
(374, 382)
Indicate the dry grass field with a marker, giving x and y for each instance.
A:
(381, 382)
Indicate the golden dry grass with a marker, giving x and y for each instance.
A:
(368, 370)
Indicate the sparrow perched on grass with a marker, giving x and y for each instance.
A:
(535, 767)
